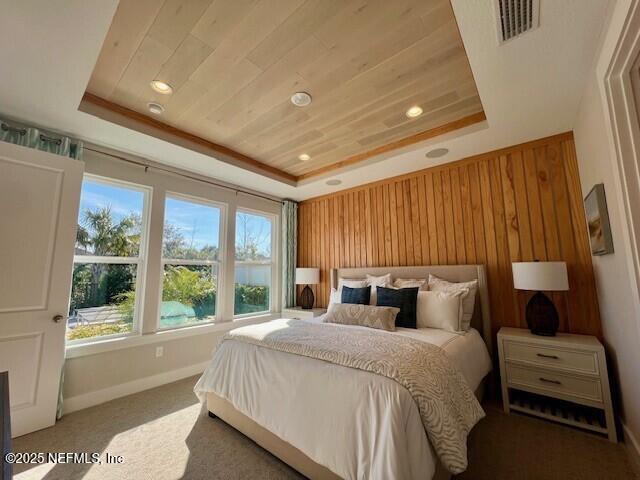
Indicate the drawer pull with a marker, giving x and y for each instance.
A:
(554, 357)
(546, 380)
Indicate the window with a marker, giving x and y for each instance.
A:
(109, 260)
(254, 263)
(191, 262)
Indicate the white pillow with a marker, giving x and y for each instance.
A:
(409, 282)
(346, 282)
(335, 296)
(441, 310)
(468, 302)
(381, 281)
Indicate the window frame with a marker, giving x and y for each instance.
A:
(222, 235)
(141, 260)
(273, 287)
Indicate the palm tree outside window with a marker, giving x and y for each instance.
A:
(109, 260)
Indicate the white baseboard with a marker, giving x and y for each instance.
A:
(632, 445)
(97, 397)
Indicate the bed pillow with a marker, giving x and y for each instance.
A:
(359, 296)
(468, 302)
(383, 318)
(380, 281)
(375, 282)
(410, 282)
(403, 298)
(336, 295)
(346, 282)
(441, 310)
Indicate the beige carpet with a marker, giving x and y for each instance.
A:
(525, 448)
(164, 433)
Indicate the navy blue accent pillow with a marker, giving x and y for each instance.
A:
(405, 299)
(360, 296)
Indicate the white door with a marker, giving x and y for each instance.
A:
(39, 197)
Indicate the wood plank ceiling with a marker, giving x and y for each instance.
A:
(233, 66)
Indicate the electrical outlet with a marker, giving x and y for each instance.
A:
(159, 352)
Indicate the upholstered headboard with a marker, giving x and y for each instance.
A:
(481, 320)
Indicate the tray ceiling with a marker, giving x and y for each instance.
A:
(233, 66)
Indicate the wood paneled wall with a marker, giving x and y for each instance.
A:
(522, 203)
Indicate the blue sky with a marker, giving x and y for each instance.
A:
(122, 201)
(258, 228)
(199, 224)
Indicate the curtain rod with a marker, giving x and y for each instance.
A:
(23, 131)
(180, 174)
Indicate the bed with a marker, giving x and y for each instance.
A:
(329, 421)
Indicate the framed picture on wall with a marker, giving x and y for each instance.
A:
(595, 206)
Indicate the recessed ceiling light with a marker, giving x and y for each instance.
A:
(155, 108)
(301, 99)
(162, 87)
(438, 152)
(304, 157)
(414, 112)
(334, 182)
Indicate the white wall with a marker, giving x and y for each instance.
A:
(617, 291)
(132, 365)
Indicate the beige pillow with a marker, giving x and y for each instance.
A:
(441, 310)
(409, 282)
(468, 302)
(383, 318)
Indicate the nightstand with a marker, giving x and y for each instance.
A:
(562, 378)
(300, 313)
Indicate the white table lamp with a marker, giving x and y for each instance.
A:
(541, 313)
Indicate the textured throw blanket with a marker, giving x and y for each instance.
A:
(447, 406)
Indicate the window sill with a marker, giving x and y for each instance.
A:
(244, 316)
(119, 343)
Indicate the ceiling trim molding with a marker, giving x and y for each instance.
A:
(112, 112)
(418, 137)
(532, 144)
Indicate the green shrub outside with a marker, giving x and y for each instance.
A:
(250, 298)
(190, 288)
(96, 285)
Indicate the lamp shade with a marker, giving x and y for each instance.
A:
(307, 276)
(540, 276)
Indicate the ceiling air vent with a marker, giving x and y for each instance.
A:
(516, 17)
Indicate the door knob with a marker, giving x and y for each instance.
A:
(57, 318)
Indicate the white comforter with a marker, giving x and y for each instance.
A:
(357, 424)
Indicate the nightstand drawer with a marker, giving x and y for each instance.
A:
(584, 362)
(550, 381)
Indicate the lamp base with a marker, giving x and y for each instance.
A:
(542, 316)
(306, 298)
